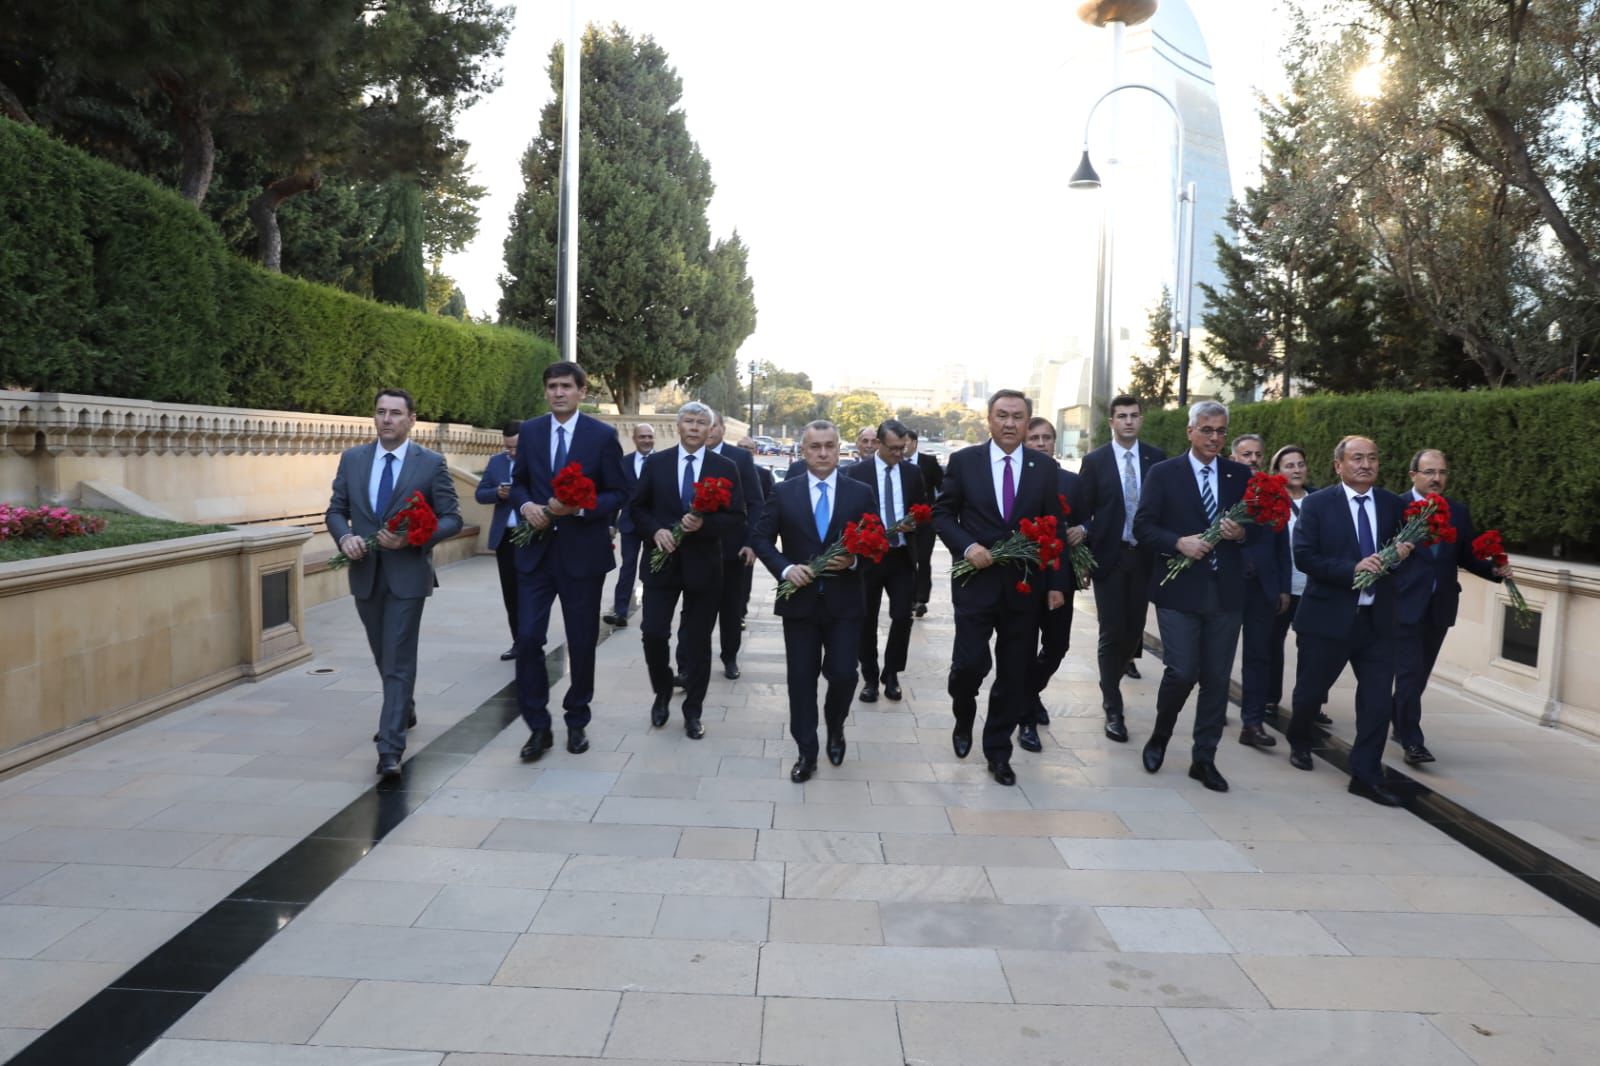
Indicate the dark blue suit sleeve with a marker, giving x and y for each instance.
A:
(488, 490)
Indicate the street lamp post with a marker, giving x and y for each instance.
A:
(752, 396)
(1085, 177)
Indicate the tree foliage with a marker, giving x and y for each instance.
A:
(855, 410)
(659, 301)
(1154, 378)
(400, 278)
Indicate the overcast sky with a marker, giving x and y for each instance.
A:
(897, 170)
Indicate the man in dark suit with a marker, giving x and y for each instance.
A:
(694, 569)
(1266, 596)
(644, 442)
(569, 555)
(1055, 627)
(866, 443)
(1200, 610)
(737, 557)
(896, 488)
(932, 476)
(1428, 596)
(796, 469)
(1113, 479)
(391, 584)
(495, 488)
(822, 620)
(1337, 536)
(768, 483)
(988, 490)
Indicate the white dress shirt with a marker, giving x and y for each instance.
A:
(377, 472)
(511, 512)
(1297, 577)
(887, 474)
(1200, 480)
(569, 425)
(1350, 494)
(812, 481)
(638, 462)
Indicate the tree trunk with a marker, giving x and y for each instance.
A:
(11, 107)
(193, 115)
(624, 390)
(264, 213)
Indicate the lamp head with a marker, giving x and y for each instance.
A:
(1084, 177)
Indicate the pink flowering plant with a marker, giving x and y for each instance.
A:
(45, 523)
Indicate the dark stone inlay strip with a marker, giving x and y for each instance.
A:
(120, 1022)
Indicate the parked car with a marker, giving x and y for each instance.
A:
(766, 446)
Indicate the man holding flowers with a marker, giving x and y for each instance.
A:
(1188, 522)
(996, 496)
(393, 500)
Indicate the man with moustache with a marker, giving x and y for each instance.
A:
(1199, 611)
(1113, 478)
(866, 443)
(644, 442)
(896, 488)
(495, 488)
(694, 569)
(822, 619)
(569, 556)
(1055, 627)
(1337, 536)
(922, 542)
(1428, 595)
(1266, 596)
(988, 490)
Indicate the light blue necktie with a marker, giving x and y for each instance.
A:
(822, 512)
(385, 485)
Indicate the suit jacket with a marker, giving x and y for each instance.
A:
(488, 491)
(1266, 562)
(788, 517)
(910, 484)
(407, 572)
(968, 513)
(1102, 491)
(750, 485)
(768, 483)
(1170, 508)
(657, 505)
(630, 481)
(583, 541)
(796, 468)
(1426, 586)
(1326, 551)
(932, 474)
(1071, 486)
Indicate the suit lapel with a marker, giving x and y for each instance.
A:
(364, 486)
(542, 431)
(402, 477)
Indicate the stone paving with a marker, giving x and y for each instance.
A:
(660, 900)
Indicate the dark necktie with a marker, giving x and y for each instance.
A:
(1364, 529)
(1209, 499)
(1008, 492)
(561, 449)
(888, 505)
(385, 485)
(687, 492)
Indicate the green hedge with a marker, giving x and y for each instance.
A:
(1525, 460)
(111, 285)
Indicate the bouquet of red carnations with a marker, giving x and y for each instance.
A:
(919, 515)
(1425, 521)
(711, 494)
(573, 488)
(1081, 558)
(416, 520)
(1265, 503)
(1033, 544)
(865, 537)
(1488, 547)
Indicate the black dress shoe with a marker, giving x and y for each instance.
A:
(411, 723)
(1206, 773)
(961, 740)
(1028, 738)
(919, 609)
(803, 769)
(836, 747)
(577, 743)
(680, 681)
(1418, 754)
(1132, 671)
(1253, 736)
(1155, 753)
(693, 728)
(1116, 728)
(730, 669)
(891, 687)
(1300, 759)
(539, 742)
(1378, 794)
(1321, 719)
(869, 694)
(1041, 716)
(1002, 773)
(389, 766)
(659, 711)
(509, 654)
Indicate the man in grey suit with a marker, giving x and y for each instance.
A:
(392, 583)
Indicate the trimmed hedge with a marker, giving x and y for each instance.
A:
(1525, 460)
(111, 285)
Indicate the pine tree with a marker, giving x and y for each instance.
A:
(1155, 379)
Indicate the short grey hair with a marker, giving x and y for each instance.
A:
(821, 425)
(1206, 409)
(1241, 438)
(695, 407)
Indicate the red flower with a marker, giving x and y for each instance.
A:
(1266, 500)
(417, 520)
(1066, 508)
(712, 494)
(1439, 528)
(1024, 588)
(866, 537)
(921, 513)
(1489, 547)
(574, 488)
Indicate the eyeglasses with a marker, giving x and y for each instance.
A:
(1210, 431)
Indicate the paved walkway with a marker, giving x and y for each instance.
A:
(659, 900)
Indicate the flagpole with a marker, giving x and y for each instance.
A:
(567, 225)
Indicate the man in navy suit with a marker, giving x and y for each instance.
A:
(1338, 535)
(1428, 597)
(569, 555)
(1055, 627)
(737, 556)
(988, 490)
(1266, 596)
(495, 488)
(694, 568)
(644, 442)
(822, 620)
(932, 476)
(896, 488)
(1113, 479)
(1200, 610)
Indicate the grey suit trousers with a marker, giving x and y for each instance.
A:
(393, 624)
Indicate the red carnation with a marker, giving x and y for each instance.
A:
(1489, 547)
(711, 494)
(1024, 588)
(574, 488)
(1066, 508)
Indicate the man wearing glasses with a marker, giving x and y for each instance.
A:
(897, 487)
